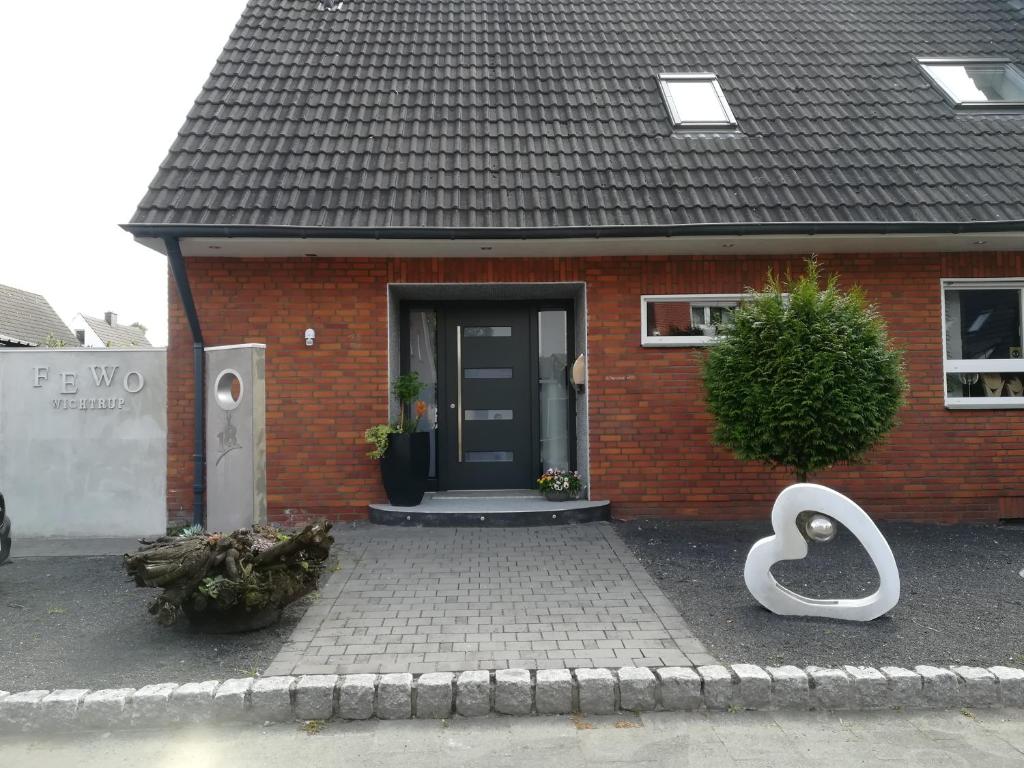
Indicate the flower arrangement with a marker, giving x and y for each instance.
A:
(405, 389)
(560, 481)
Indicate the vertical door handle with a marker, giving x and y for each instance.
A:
(458, 388)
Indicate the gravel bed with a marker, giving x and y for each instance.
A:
(962, 599)
(79, 622)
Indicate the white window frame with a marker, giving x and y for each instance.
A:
(971, 105)
(979, 366)
(703, 77)
(730, 300)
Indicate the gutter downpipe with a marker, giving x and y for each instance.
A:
(177, 263)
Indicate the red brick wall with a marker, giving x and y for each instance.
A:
(650, 451)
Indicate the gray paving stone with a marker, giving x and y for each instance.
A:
(231, 699)
(428, 600)
(394, 696)
(554, 692)
(938, 686)
(191, 702)
(513, 692)
(271, 699)
(356, 694)
(1010, 684)
(680, 688)
(755, 686)
(790, 687)
(870, 687)
(473, 693)
(830, 688)
(719, 688)
(978, 686)
(904, 687)
(59, 709)
(107, 708)
(637, 689)
(596, 689)
(314, 697)
(434, 695)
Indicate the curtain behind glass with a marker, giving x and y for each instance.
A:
(554, 390)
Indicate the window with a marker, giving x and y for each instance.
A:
(696, 101)
(982, 365)
(977, 83)
(685, 321)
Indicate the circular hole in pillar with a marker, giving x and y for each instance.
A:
(228, 390)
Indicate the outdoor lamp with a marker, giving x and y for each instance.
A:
(310, 337)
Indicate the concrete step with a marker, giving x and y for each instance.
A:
(492, 509)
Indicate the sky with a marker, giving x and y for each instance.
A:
(93, 95)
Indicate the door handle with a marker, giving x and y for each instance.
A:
(458, 387)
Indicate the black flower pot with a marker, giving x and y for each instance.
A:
(404, 468)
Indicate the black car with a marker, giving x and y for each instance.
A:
(5, 531)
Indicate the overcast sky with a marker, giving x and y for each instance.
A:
(93, 96)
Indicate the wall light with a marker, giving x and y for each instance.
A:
(310, 337)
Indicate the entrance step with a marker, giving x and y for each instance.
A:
(494, 509)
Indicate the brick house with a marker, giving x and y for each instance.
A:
(485, 192)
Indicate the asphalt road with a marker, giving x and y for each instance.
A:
(962, 598)
(984, 739)
(78, 622)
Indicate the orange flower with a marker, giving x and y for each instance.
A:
(421, 409)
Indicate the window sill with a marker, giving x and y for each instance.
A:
(983, 403)
(675, 341)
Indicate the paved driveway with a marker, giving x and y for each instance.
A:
(453, 599)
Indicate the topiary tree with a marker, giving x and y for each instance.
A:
(804, 377)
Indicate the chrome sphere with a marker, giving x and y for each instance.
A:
(821, 528)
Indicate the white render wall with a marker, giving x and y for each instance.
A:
(83, 441)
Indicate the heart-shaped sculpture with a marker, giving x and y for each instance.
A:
(788, 544)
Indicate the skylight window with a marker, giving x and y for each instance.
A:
(977, 83)
(696, 101)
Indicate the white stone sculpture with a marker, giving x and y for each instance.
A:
(789, 544)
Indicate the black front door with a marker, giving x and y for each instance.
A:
(488, 417)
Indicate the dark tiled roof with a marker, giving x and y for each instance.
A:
(26, 319)
(548, 114)
(117, 335)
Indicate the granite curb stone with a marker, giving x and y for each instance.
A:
(596, 691)
(680, 688)
(637, 689)
(718, 686)
(978, 686)
(554, 692)
(1011, 685)
(755, 686)
(394, 696)
(473, 693)
(232, 698)
(939, 686)
(791, 688)
(191, 702)
(514, 692)
(356, 695)
(904, 687)
(434, 695)
(314, 697)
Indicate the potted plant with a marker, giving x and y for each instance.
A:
(560, 484)
(402, 450)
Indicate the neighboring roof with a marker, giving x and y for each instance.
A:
(539, 113)
(26, 319)
(117, 335)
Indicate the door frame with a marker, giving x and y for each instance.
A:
(445, 428)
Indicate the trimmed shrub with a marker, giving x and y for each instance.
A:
(804, 377)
